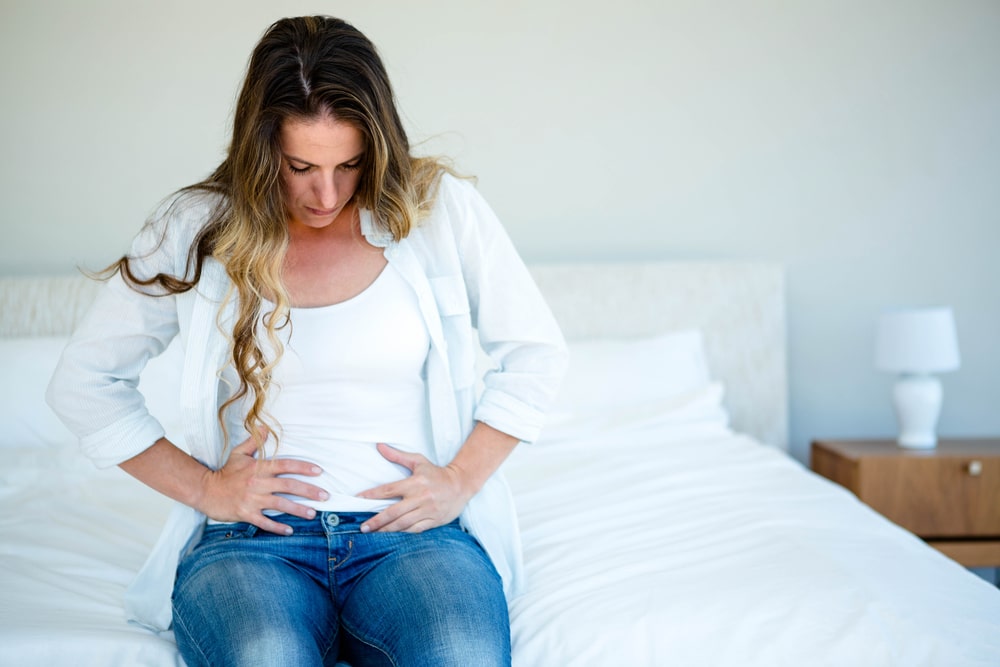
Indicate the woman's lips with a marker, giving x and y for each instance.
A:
(319, 212)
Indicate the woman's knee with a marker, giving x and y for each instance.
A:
(231, 611)
(432, 603)
(425, 647)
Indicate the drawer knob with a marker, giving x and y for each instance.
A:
(975, 468)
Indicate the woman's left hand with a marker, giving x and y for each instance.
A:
(430, 497)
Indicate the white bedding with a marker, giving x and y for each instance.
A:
(645, 544)
(71, 539)
(708, 548)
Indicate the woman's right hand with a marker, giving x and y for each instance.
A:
(243, 488)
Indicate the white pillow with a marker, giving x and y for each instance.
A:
(616, 374)
(27, 421)
(28, 363)
(697, 413)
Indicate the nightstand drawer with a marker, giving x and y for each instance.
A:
(952, 491)
(944, 496)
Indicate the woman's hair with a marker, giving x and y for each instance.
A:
(301, 68)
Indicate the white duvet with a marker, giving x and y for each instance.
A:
(71, 539)
(648, 542)
(653, 543)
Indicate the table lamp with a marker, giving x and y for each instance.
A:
(916, 343)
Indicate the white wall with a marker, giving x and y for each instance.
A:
(856, 142)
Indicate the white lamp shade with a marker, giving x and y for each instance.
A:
(921, 340)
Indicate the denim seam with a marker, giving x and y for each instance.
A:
(193, 641)
(344, 560)
(381, 649)
(333, 639)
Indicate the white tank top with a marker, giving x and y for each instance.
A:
(352, 375)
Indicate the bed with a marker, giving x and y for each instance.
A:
(663, 521)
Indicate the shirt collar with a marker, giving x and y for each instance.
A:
(374, 234)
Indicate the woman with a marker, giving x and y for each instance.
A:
(340, 497)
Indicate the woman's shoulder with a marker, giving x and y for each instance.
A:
(189, 207)
(457, 202)
(183, 214)
(171, 230)
(452, 188)
(459, 219)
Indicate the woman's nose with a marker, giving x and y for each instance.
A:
(326, 191)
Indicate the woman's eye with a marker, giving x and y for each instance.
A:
(352, 166)
(298, 170)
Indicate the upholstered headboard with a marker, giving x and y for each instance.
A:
(739, 307)
(44, 306)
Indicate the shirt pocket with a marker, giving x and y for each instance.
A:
(456, 321)
(450, 295)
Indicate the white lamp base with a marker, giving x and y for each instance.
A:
(917, 399)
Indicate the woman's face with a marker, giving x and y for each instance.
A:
(320, 168)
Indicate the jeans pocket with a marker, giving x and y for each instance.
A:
(227, 531)
(216, 540)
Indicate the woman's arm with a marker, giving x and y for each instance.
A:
(239, 491)
(435, 495)
(514, 324)
(94, 388)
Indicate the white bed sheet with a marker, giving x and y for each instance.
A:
(643, 547)
(71, 539)
(708, 548)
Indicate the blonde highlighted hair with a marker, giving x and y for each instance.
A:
(300, 69)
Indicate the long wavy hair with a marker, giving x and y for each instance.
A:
(300, 69)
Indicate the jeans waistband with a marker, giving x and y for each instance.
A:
(322, 523)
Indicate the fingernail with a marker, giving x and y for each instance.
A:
(365, 528)
(317, 470)
(312, 514)
(323, 495)
(288, 530)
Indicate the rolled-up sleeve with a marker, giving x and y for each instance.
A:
(94, 389)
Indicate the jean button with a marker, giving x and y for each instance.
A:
(332, 520)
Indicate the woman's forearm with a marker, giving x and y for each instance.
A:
(171, 471)
(242, 490)
(481, 455)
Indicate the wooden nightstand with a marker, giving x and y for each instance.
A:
(949, 496)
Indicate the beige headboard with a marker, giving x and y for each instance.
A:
(740, 308)
(44, 306)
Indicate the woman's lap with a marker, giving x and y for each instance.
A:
(247, 597)
(261, 611)
(442, 602)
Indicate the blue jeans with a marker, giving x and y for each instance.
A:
(247, 597)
